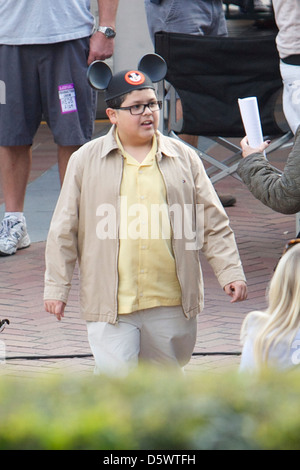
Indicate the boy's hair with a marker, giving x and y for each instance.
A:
(117, 102)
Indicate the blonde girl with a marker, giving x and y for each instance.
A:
(271, 338)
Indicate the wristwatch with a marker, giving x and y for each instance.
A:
(107, 31)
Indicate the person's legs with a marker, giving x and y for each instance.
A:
(69, 103)
(167, 337)
(161, 336)
(20, 117)
(115, 347)
(63, 156)
(15, 164)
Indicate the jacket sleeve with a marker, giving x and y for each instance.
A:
(278, 190)
(62, 241)
(219, 244)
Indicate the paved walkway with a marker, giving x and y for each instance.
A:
(35, 343)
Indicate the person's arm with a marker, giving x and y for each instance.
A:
(219, 245)
(247, 150)
(278, 190)
(62, 242)
(101, 47)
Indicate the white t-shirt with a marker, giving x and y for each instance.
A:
(281, 357)
(44, 21)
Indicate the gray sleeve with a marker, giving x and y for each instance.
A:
(278, 190)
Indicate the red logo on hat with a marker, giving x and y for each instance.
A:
(134, 77)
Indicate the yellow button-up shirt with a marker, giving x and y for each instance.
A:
(147, 273)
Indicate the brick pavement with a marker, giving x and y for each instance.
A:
(261, 235)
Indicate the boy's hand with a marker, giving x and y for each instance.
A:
(56, 307)
(247, 150)
(237, 290)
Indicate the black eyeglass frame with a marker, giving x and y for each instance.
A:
(147, 105)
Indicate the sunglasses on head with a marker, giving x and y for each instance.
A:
(290, 244)
(287, 247)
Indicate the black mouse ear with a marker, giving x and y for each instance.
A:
(154, 66)
(99, 75)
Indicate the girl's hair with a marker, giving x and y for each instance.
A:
(281, 320)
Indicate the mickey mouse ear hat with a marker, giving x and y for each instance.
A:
(151, 69)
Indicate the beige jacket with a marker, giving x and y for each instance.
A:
(92, 187)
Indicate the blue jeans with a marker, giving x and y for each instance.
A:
(201, 17)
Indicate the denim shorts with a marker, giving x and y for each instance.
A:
(46, 82)
(201, 17)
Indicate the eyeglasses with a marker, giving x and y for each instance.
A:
(140, 108)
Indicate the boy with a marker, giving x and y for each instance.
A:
(128, 210)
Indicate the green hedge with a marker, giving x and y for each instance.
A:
(151, 410)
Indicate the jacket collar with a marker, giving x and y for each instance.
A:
(109, 143)
(165, 145)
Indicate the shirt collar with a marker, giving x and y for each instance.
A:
(165, 145)
(150, 156)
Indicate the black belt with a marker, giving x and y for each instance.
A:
(292, 59)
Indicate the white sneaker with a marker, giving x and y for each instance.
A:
(13, 235)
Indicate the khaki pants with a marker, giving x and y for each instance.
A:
(161, 336)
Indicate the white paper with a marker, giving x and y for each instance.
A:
(251, 121)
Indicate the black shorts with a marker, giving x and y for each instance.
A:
(46, 82)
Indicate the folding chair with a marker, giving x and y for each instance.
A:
(210, 74)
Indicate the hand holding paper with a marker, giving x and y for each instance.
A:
(251, 121)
